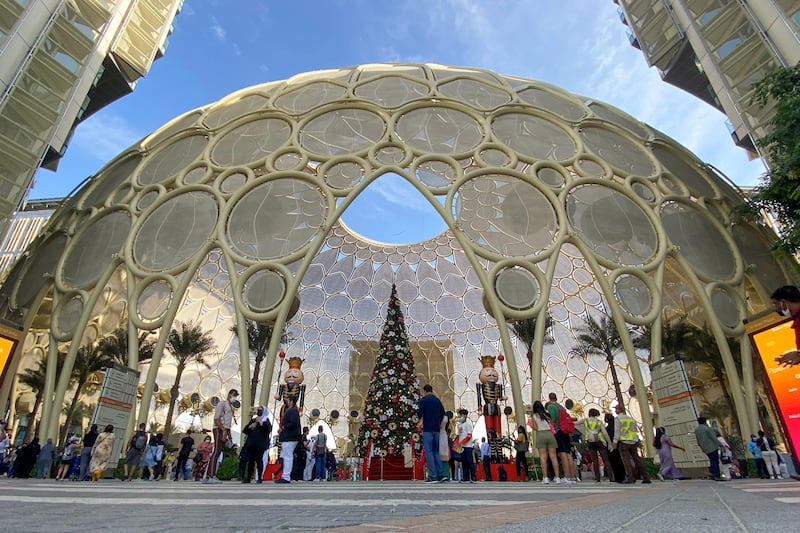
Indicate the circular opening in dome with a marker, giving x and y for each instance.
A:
(391, 211)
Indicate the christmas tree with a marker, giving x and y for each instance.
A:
(390, 408)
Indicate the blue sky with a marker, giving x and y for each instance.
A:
(220, 46)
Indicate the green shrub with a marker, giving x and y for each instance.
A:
(229, 468)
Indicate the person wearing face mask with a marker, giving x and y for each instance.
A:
(223, 419)
(464, 439)
(786, 301)
(201, 458)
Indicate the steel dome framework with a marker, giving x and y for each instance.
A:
(554, 203)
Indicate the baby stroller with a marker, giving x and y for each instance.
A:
(74, 468)
(330, 466)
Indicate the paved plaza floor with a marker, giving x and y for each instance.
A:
(375, 506)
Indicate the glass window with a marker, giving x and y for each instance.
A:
(728, 46)
(709, 15)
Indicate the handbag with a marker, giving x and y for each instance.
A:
(657, 459)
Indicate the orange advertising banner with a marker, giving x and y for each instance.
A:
(772, 342)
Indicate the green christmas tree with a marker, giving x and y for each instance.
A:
(390, 408)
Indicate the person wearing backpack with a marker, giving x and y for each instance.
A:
(565, 427)
(597, 443)
(133, 455)
(320, 454)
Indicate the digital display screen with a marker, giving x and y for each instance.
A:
(7, 342)
(773, 342)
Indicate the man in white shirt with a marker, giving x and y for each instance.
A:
(223, 419)
(486, 459)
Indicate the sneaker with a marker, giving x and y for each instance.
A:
(546, 481)
(431, 480)
(571, 481)
(211, 480)
(472, 481)
(660, 476)
(281, 480)
(444, 480)
(560, 480)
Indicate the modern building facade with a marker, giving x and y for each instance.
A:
(60, 61)
(555, 205)
(25, 226)
(717, 49)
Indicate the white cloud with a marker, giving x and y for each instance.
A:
(104, 136)
(396, 190)
(217, 30)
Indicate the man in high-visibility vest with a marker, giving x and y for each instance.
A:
(626, 440)
(597, 443)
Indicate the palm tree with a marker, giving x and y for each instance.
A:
(88, 360)
(187, 343)
(80, 412)
(525, 331)
(258, 337)
(35, 379)
(704, 350)
(115, 346)
(719, 411)
(676, 337)
(600, 339)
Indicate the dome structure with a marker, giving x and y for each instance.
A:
(556, 206)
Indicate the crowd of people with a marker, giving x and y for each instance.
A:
(611, 445)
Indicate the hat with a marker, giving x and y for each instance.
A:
(73, 439)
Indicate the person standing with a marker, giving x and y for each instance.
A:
(66, 458)
(5, 444)
(27, 456)
(626, 440)
(663, 443)
(86, 452)
(290, 434)
(597, 443)
(159, 468)
(101, 452)
(223, 419)
(486, 459)
(202, 456)
(135, 451)
(521, 459)
(320, 453)
(148, 460)
(257, 431)
(464, 440)
(311, 459)
(300, 454)
(755, 450)
(563, 440)
(769, 455)
(545, 441)
(187, 443)
(44, 463)
(707, 440)
(431, 413)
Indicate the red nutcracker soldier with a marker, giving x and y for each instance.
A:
(293, 388)
(490, 392)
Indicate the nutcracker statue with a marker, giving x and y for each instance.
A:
(490, 392)
(293, 388)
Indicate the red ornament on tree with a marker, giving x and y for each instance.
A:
(501, 358)
(282, 355)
